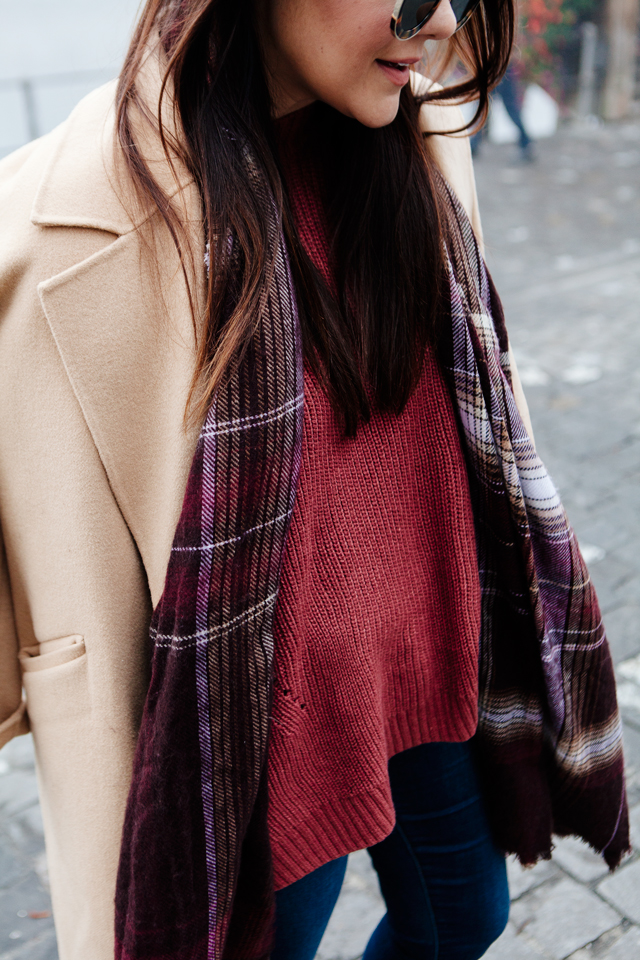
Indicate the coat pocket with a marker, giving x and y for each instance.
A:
(55, 678)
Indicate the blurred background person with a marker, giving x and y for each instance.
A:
(510, 91)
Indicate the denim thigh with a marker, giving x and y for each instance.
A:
(303, 910)
(443, 879)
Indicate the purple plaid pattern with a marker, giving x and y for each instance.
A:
(549, 734)
(195, 878)
(195, 869)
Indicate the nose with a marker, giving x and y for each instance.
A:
(442, 24)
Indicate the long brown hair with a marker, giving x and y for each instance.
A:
(365, 340)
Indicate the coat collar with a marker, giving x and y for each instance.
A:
(78, 188)
(121, 318)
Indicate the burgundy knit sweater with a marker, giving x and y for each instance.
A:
(378, 619)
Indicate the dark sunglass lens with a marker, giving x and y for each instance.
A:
(463, 9)
(413, 14)
(424, 11)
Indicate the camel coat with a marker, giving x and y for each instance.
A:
(96, 360)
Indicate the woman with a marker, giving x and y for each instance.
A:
(250, 352)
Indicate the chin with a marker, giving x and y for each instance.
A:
(378, 113)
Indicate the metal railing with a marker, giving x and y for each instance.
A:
(28, 86)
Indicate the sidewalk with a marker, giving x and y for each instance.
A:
(563, 242)
(26, 925)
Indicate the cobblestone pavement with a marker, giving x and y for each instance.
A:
(26, 925)
(563, 242)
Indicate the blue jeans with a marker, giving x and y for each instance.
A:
(508, 90)
(443, 880)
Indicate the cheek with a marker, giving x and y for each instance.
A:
(331, 40)
(339, 60)
(350, 22)
(327, 51)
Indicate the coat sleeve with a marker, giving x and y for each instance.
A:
(13, 717)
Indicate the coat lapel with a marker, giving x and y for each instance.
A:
(122, 324)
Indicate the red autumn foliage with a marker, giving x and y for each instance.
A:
(538, 14)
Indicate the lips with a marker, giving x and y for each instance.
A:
(396, 70)
(394, 65)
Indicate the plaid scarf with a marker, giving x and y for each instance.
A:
(195, 879)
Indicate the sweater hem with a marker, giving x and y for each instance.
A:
(406, 730)
(332, 831)
(350, 823)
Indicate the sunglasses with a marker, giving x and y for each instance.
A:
(410, 16)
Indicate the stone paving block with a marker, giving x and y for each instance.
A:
(630, 670)
(601, 948)
(43, 947)
(16, 927)
(358, 911)
(625, 620)
(634, 824)
(628, 551)
(627, 947)
(633, 784)
(32, 819)
(19, 753)
(629, 701)
(511, 946)
(41, 867)
(352, 923)
(632, 760)
(622, 889)
(19, 831)
(18, 790)
(631, 740)
(603, 529)
(579, 860)
(12, 865)
(628, 685)
(562, 917)
(522, 879)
